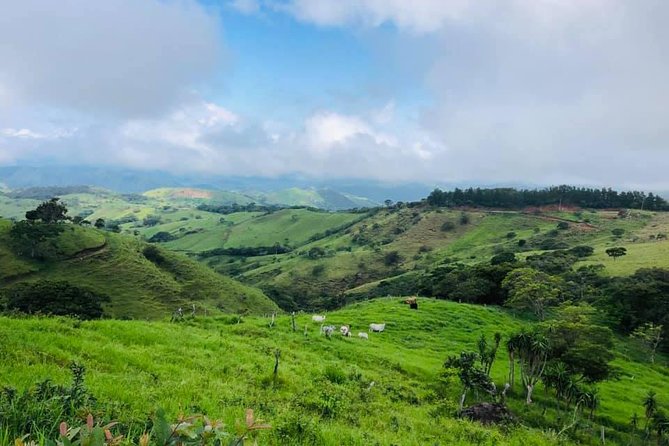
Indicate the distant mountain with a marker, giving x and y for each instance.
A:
(135, 181)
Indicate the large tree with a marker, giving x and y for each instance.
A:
(533, 290)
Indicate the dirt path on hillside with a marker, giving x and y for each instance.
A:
(90, 252)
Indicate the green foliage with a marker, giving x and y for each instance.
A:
(58, 298)
(562, 225)
(534, 290)
(48, 212)
(35, 239)
(161, 237)
(504, 257)
(392, 258)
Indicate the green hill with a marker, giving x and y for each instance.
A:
(139, 285)
(338, 391)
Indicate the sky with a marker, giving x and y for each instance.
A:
(467, 91)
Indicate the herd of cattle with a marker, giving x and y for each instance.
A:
(345, 330)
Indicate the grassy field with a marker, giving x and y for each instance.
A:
(335, 391)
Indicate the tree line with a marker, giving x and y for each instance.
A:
(555, 195)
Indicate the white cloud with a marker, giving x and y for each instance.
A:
(246, 6)
(325, 130)
(417, 15)
(121, 57)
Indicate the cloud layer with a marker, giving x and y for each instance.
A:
(539, 91)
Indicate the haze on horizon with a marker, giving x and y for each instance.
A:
(517, 91)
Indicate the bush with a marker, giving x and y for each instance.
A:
(618, 232)
(392, 258)
(464, 219)
(510, 235)
(522, 242)
(318, 270)
(504, 257)
(563, 225)
(57, 298)
(582, 251)
(161, 237)
(448, 226)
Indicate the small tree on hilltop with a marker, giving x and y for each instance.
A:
(51, 211)
(100, 223)
(651, 336)
(616, 252)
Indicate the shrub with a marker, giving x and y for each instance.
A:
(154, 255)
(504, 257)
(392, 258)
(58, 298)
(317, 270)
(522, 242)
(448, 226)
(161, 237)
(618, 232)
(464, 219)
(563, 225)
(511, 235)
(582, 251)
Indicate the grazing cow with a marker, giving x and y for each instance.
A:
(413, 302)
(327, 330)
(377, 327)
(317, 318)
(345, 330)
(363, 335)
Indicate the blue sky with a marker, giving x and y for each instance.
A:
(478, 91)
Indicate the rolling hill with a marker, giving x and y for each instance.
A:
(141, 284)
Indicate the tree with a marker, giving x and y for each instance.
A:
(616, 252)
(471, 376)
(31, 237)
(487, 355)
(388, 202)
(530, 289)
(650, 335)
(99, 223)
(51, 211)
(531, 348)
(577, 341)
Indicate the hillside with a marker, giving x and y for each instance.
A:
(140, 285)
(329, 391)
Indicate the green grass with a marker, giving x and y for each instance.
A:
(210, 365)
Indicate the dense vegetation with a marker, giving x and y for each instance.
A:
(558, 195)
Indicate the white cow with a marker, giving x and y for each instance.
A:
(363, 335)
(377, 327)
(317, 318)
(345, 330)
(327, 330)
